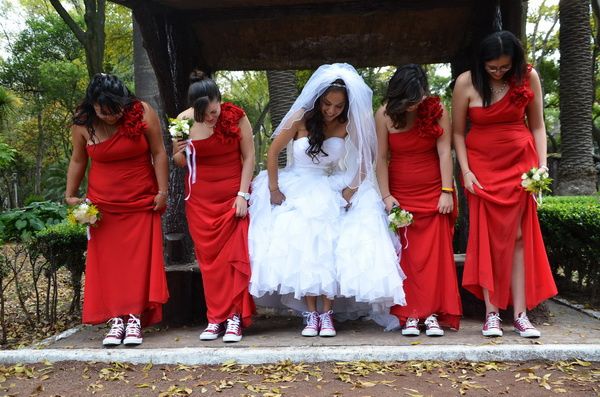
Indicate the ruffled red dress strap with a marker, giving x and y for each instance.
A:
(133, 124)
(521, 93)
(228, 126)
(429, 112)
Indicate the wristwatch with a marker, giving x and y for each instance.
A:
(246, 196)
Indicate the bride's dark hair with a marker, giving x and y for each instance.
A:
(201, 92)
(315, 123)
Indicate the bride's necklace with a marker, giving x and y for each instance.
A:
(499, 90)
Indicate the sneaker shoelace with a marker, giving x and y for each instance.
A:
(524, 323)
(412, 323)
(312, 319)
(133, 325)
(116, 329)
(213, 327)
(493, 321)
(326, 320)
(432, 322)
(233, 325)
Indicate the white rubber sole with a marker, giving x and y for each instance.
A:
(111, 342)
(530, 333)
(310, 332)
(411, 332)
(230, 338)
(434, 332)
(210, 335)
(492, 332)
(132, 340)
(327, 333)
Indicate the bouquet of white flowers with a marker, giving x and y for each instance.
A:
(536, 181)
(180, 128)
(85, 213)
(399, 218)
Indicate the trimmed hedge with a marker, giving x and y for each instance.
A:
(571, 229)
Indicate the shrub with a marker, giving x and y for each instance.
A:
(571, 229)
(33, 198)
(65, 245)
(21, 223)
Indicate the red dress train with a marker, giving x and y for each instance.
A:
(500, 148)
(124, 268)
(221, 238)
(428, 259)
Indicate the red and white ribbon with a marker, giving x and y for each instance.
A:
(190, 155)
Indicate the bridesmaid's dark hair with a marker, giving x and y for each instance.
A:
(110, 93)
(407, 87)
(315, 123)
(201, 92)
(493, 47)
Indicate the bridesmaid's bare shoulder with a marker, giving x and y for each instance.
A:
(186, 114)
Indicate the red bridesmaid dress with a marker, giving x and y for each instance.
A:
(221, 238)
(500, 148)
(428, 259)
(125, 271)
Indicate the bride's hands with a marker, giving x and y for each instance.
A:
(277, 197)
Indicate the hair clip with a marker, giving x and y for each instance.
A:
(337, 85)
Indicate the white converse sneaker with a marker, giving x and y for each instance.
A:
(327, 328)
(234, 329)
(491, 327)
(133, 332)
(115, 335)
(212, 331)
(432, 327)
(524, 327)
(411, 328)
(313, 324)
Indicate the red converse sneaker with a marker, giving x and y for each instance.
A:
(411, 328)
(491, 327)
(234, 329)
(116, 333)
(212, 331)
(327, 328)
(432, 327)
(524, 327)
(313, 324)
(133, 332)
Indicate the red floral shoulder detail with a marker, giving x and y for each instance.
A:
(429, 113)
(133, 124)
(227, 128)
(520, 93)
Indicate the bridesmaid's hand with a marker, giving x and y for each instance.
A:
(445, 203)
(470, 180)
(71, 200)
(241, 207)
(390, 202)
(160, 202)
(179, 146)
(277, 198)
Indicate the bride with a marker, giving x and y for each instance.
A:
(318, 228)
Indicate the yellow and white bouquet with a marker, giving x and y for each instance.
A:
(85, 213)
(399, 218)
(536, 181)
(180, 128)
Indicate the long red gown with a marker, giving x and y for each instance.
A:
(500, 148)
(428, 259)
(124, 268)
(221, 238)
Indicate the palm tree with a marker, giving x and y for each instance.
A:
(577, 174)
(282, 94)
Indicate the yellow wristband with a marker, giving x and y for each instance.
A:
(447, 189)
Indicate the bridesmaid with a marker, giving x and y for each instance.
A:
(506, 261)
(220, 161)
(413, 132)
(127, 181)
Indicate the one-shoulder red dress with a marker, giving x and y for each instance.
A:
(125, 271)
(500, 148)
(221, 238)
(428, 257)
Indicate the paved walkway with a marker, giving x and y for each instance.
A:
(568, 334)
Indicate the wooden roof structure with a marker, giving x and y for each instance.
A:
(180, 35)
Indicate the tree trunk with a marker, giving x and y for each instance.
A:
(178, 244)
(39, 156)
(282, 94)
(577, 174)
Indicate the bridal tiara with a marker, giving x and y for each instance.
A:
(337, 85)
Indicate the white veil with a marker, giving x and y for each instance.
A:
(361, 143)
